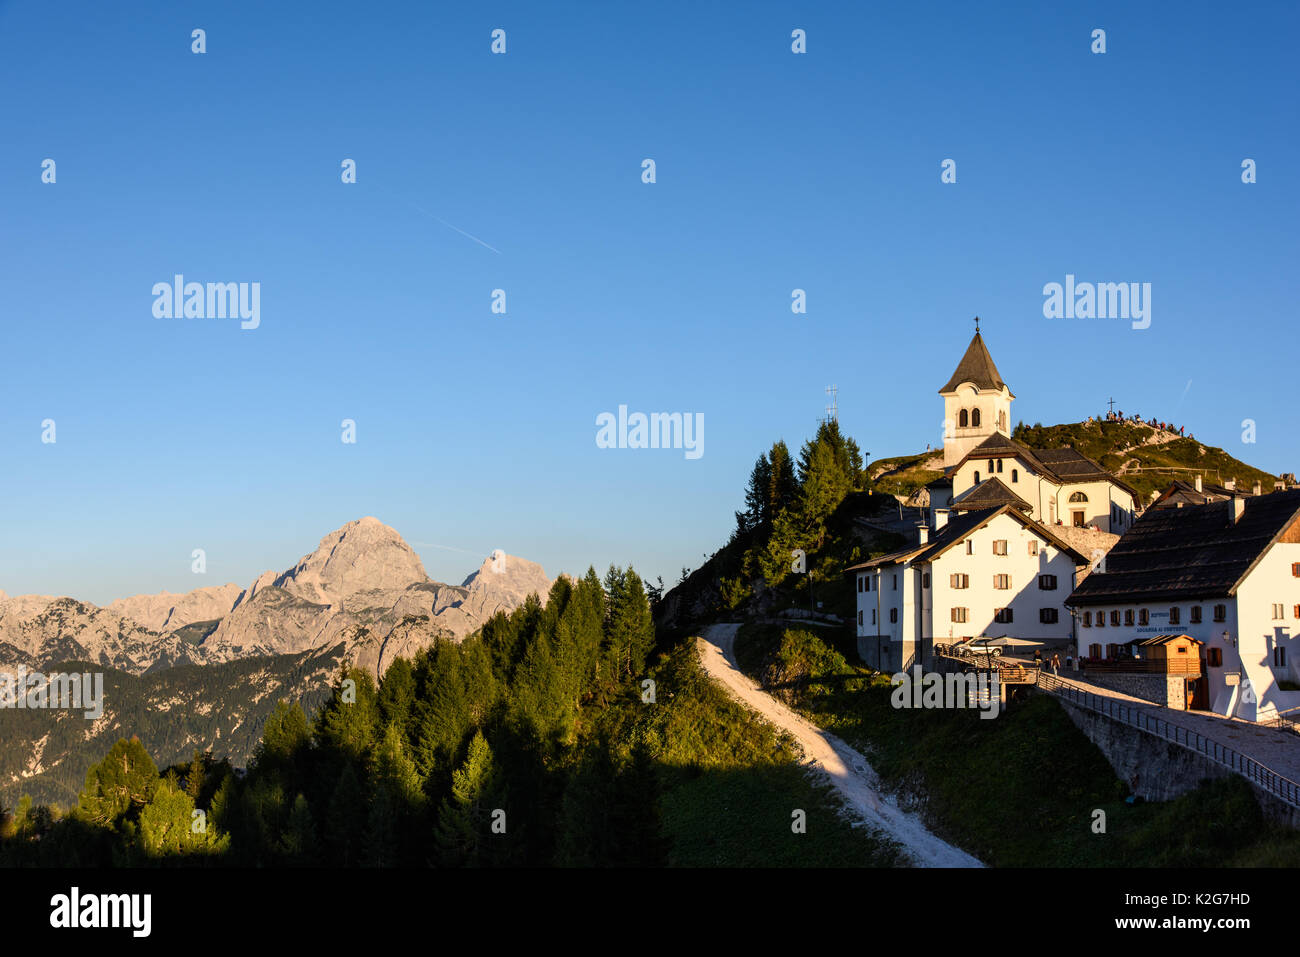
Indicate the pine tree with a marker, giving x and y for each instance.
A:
(284, 732)
(349, 728)
(757, 492)
(168, 827)
(347, 818)
(783, 487)
(299, 840)
(119, 785)
(397, 693)
(465, 817)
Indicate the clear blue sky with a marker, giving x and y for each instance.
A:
(775, 171)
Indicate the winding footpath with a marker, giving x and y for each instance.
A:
(846, 768)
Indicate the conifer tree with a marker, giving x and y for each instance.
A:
(464, 819)
(119, 785)
(347, 818)
(299, 841)
(168, 827)
(397, 693)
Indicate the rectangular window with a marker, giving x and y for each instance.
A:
(1175, 615)
(1114, 618)
(1087, 619)
(1128, 617)
(860, 580)
(893, 616)
(873, 616)
(1278, 612)
(925, 580)
(1002, 615)
(1047, 582)
(1094, 651)
(959, 581)
(1295, 569)
(970, 546)
(1047, 616)
(1214, 657)
(959, 615)
(1001, 582)
(1033, 547)
(867, 585)
(1144, 617)
(1196, 614)
(895, 585)
(859, 619)
(1101, 619)
(1220, 612)
(1000, 546)
(1182, 650)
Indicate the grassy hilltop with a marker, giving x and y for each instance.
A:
(1146, 458)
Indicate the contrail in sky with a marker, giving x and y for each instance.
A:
(458, 229)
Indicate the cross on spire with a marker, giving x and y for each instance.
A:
(977, 325)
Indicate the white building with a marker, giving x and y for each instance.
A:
(990, 572)
(1058, 486)
(1226, 573)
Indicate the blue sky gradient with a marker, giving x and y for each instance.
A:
(775, 171)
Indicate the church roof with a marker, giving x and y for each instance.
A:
(977, 367)
(1062, 466)
(991, 493)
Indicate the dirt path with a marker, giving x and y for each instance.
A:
(847, 769)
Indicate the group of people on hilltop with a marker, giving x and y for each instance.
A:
(1136, 419)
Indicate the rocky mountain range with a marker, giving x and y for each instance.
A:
(363, 588)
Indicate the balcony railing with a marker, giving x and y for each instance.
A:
(1282, 788)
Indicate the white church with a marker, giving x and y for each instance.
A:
(984, 466)
(993, 557)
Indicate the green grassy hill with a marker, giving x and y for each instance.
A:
(1019, 791)
(1145, 458)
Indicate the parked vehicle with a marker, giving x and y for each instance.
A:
(981, 646)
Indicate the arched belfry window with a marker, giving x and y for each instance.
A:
(1015, 475)
(990, 466)
(975, 418)
(1078, 497)
(977, 478)
(962, 420)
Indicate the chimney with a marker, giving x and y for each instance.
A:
(1236, 508)
(1198, 484)
(1258, 489)
(923, 534)
(1231, 485)
(940, 518)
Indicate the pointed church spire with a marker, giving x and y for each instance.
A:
(976, 367)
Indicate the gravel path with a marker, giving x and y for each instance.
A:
(846, 768)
